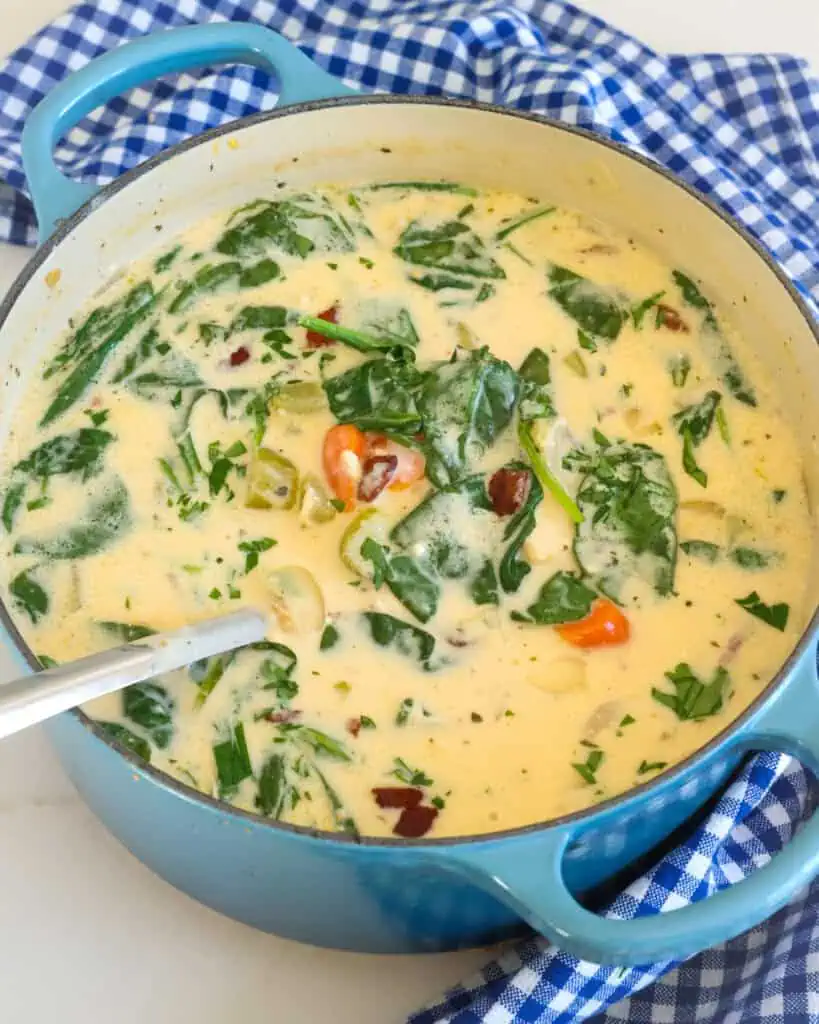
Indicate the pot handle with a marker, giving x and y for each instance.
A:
(55, 196)
(531, 880)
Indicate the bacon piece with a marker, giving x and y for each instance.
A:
(376, 473)
(509, 489)
(668, 317)
(732, 649)
(316, 340)
(398, 796)
(353, 726)
(287, 715)
(239, 356)
(415, 822)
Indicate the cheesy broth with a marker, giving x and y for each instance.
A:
(528, 515)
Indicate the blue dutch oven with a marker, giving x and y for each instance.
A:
(387, 895)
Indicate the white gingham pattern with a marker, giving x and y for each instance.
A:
(744, 130)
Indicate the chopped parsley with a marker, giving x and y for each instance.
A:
(588, 769)
(409, 776)
(775, 615)
(252, 549)
(693, 699)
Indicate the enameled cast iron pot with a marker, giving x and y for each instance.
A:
(383, 895)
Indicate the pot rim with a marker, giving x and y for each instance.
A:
(214, 804)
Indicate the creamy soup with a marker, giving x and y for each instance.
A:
(525, 510)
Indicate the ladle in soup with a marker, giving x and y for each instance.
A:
(30, 700)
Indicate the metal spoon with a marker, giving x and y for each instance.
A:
(34, 698)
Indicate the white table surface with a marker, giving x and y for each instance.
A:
(86, 932)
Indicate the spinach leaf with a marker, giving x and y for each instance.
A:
(330, 636)
(703, 549)
(114, 320)
(208, 673)
(465, 404)
(104, 520)
(750, 558)
(679, 367)
(689, 461)
(511, 224)
(639, 311)
(273, 787)
(377, 395)
(403, 637)
(693, 424)
(431, 528)
(450, 247)
(12, 501)
(164, 262)
(208, 279)
(713, 339)
(698, 419)
(512, 568)
(90, 363)
(271, 320)
(629, 505)
(596, 312)
(254, 318)
(424, 186)
(413, 584)
(693, 297)
(535, 400)
(277, 670)
(126, 632)
(147, 346)
(457, 258)
(775, 615)
(564, 597)
(150, 706)
(79, 452)
(259, 273)
(693, 699)
(496, 560)
(136, 744)
(296, 226)
(29, 596)
(320, 743)
(175, 376)
(388, 322)
(232, 761)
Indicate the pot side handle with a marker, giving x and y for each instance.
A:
(530, 880)
(55, 196)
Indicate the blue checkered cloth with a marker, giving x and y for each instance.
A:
(744, 130)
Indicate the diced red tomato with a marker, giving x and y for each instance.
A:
(668, 317)
(376, 473)
(509, 489)
(415, 822)
(397, 796)
(239, 356)
(316, 340)
(604, 626)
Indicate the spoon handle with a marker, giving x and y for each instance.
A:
(34, 698)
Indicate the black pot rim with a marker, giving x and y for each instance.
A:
(213, 804)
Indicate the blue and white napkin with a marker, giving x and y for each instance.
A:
(742, 129)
